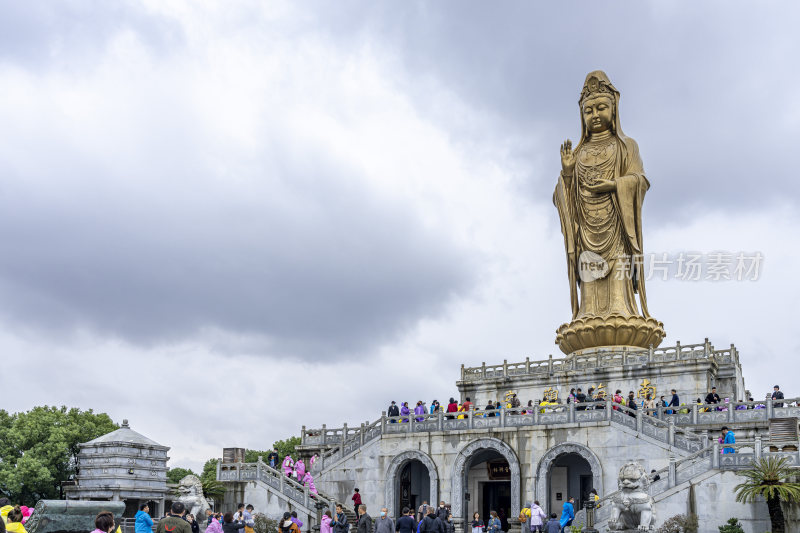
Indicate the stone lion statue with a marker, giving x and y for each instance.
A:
(190, 492)
(633, 507)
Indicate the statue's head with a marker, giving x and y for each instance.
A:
(632, 476)
(190, 486)
(599, 102)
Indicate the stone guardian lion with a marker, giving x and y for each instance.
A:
(632, 508)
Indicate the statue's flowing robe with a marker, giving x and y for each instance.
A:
(627, 199)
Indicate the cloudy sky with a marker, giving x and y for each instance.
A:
(224, 220)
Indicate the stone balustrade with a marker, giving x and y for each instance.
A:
(669, 425)
(599, 358)
(260, 471)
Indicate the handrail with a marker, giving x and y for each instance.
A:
(601, 358)
(664, 430)
(274, 478)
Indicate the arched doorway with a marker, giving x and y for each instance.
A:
(567, 470)
(411, 479)
(486, 476)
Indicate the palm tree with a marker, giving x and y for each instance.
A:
(767, 478)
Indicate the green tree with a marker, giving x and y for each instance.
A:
(209, 471)
(39, 449)
(251, 456)
(287, 447)
(768, 478)
(175, 475)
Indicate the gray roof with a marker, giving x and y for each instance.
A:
(124, 435)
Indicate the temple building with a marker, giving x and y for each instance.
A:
(122, 466)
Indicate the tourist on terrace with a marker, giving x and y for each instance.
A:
(571, 397)
(712, 397)
(632, 403)
(406, 522)
(490, 407)
(727, 438)
(364, 520)
(650, 405)
(435, 406)
(477, 524)
(452, 407)
(339, 522)
(393, 411)
(405, 411)
(287, 526)
(674, 402)
(419, 410)
(384, 524)
(618, 399)
(467, 405)
(580, 397)
(356, 497)
(567, 513)
(777, 395)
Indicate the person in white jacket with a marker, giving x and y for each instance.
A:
(538, 517)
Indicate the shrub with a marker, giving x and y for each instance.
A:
(679, 524)
(732, 526)
(264, 524)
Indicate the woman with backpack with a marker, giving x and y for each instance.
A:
(287, 526)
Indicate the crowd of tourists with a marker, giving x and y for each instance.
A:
(592, 399)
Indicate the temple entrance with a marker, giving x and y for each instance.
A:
(570, 475)
(488, 483)
(415, 483)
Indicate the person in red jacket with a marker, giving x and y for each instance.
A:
(356, 500)
(452, 407)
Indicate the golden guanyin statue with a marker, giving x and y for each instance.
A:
(599, 200)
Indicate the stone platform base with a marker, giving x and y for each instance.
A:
(614, 330)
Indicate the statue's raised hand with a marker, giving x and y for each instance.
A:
(567, 158)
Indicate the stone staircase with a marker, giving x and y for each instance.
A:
(280, 485)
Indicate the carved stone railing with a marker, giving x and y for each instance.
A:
(664, 430)
(600, 358)
(275, 480)
(687, 468)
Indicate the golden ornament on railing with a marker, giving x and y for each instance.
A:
(647, 388)
(599, 390)
(551, 394)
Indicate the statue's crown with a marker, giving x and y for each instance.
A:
(594, 86)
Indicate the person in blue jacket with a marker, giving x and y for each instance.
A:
(567, 513)
(143, 524)
(728, 438)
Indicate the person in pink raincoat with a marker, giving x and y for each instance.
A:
(214, 526)
(288, 463)
(311, 462)
(325, 523)
(300, 470)
(308, 481)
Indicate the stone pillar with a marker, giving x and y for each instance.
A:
(344, 436)
(715, 455)
(770, 408)
(672, 472)
(383, 421)
(757, 448)
(694, 413)
(671, 431)
(303, 435)
(608, 410)
(324, 433)
(571, 411)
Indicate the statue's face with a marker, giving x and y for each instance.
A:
(598, 114)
